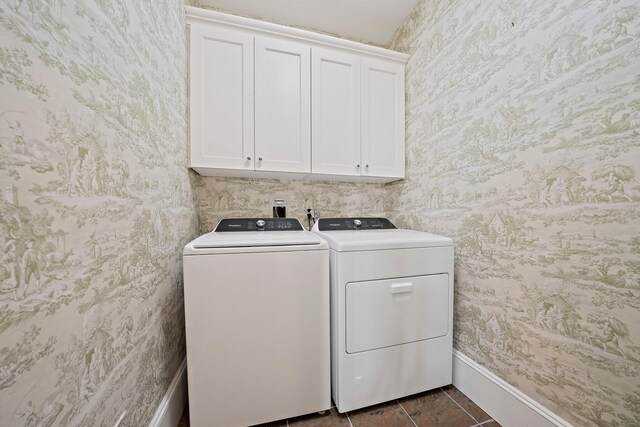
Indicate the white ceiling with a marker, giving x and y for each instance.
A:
(372, 21)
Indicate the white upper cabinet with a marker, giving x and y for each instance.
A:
(336, 113)
(279, 102)
(283, 106)
(221, 98)
(358, 115)
(382, 118)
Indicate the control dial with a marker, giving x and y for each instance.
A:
(260, 224)
(357, 223)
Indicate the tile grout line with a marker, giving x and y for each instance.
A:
(349, 419)
(483, 423)
(405, 411)
(456, 402)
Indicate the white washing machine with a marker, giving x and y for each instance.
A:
(391, 310)
(256, 296)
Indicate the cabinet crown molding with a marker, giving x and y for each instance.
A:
(197, 14)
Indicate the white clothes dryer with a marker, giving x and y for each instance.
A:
(256, 295)
(391, 310)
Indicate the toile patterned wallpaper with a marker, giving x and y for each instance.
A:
(96, 206)
(523, 144)
(219, 198)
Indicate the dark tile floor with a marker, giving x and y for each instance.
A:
(443, 407)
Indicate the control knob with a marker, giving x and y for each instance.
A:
(357, 223)
(260, 224)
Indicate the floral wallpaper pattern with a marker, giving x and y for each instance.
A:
(523, 144)
(96, 206)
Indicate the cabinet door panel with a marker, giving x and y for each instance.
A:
(221, 98)
(382, 118)
(283, 106)
(336, 112)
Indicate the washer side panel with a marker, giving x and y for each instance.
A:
(257, 331)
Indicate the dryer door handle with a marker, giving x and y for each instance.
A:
(399, 288)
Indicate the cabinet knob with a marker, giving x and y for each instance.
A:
(358, 165)
(248, 157)
(366, 166)
(260, 159)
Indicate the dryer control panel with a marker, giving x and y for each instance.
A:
(259, 224)
(332, 224)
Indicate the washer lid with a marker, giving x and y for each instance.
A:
(370, 240)
(246, 239)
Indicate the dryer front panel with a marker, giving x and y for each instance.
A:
(385, 313)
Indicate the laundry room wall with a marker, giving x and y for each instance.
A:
(522, 145)
(218, 198)
(96, 206)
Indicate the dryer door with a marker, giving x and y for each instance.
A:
(384, 313)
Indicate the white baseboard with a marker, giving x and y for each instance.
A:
(505, 403)
(172, 404)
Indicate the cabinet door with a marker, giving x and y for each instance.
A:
(221, 98)
(283, 106)
(336, 113)
(382, 118)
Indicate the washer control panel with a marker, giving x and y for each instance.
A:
(259, 224)
(329, 224)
